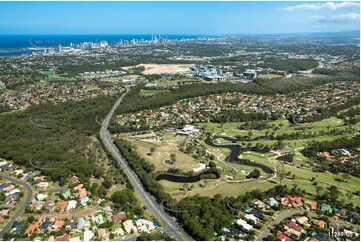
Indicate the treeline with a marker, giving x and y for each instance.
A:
(314, 147)
(73, 70)
(331, 72)
(289, 65)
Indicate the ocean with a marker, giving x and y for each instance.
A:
(24, 44)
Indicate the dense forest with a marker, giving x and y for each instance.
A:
(57, 135)
(290, 65)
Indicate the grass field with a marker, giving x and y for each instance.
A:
(152, 92)
(163, 150)
(270, 76)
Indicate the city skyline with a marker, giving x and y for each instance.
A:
(184, 18)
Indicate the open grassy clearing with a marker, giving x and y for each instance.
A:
(163, 151)
(152, 92)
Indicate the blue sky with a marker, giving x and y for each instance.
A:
(176, 17)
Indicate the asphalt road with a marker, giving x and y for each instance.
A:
(29, 192)
(276, 221)
(170, 226)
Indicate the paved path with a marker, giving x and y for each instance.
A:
(169, 224)
(29, 193)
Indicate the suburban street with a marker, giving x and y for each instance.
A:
(169, 225)
(29, 192)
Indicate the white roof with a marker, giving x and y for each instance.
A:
(71, 204)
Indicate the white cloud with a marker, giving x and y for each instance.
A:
(320, 6)
(338, 18)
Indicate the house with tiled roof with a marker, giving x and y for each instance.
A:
(58, 224)
(49, 206)
(312, 204)
(31, 229)
(292, 224)
(319, 223)
(118, 217)
(286, 202)
(65, 237)
(296, 201)
(62, 205)
(282, 237)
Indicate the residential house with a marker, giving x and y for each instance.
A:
(41, 197)
(70, 224)
(312, 204)
(97, 199)
(119, 232)
(17, 228)
(304, 221)
(296, 201)
(323, 237)
(118, 217)
(244, 224)
(286, 202)
(272, 202)
(261, 205)
(144, 225)
(107, 209)
(88, 235)
(282, 237)
(66, 194)
(45, 225)
(292, 224)
(65, 237)
(73, 180)
(319, 223)
(252, 217)
(129, 226)
(99, 219)
(71, 205)
(58, 224)
(342, 213)
(31, 229)
(49, 206)
(83, 223)
(102, 233)
(234, 232)
(62, 205)
(83, 201)
(326, 208)
(293, 233)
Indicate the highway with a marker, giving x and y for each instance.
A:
(170, 226)
(29, 192)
